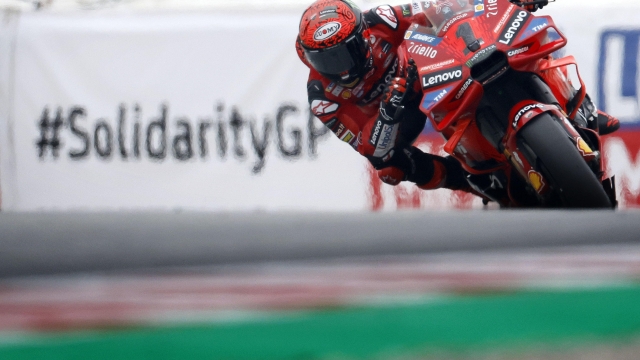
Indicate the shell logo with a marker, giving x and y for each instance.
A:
(583, 147)
(326, 31)
(536, 180)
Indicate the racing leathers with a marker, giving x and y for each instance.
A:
(354, 112)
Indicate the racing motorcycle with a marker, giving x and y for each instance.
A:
(494, 90)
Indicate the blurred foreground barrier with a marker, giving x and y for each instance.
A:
(58, 243)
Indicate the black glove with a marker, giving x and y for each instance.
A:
(393, 99)
(397, 93)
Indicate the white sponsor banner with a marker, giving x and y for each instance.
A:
(169, 111)
(208, 111)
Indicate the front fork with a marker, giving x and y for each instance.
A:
(586, 141)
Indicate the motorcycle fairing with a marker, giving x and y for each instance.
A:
(451, 105)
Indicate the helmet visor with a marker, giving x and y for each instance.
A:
(340, 59)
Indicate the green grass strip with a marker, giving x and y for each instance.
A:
(456, 324)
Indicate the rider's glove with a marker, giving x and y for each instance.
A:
(392, 98)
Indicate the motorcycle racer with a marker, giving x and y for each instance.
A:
(354, 89)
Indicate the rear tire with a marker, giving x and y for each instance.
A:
(554, 154)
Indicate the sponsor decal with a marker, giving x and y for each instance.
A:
(478, 7)
(387, 132)
(387, 139)
(432, 98)
(386, 46)
(535, 26)
(583, 147)
(517, 159)
(332, 124)
(359, 87)
(346, 94)
(464, 88)
(523, 111)
(357, 141)
(385, 12)
(618, 88)
(387, 62)
(416, 7)
(337, 90)
(348, 137)
(536, 180)
(513, 26)
(381, 84)
(419, 49)
(370, 73)
(441, 77)
(406, 10)
(330, 10)
(326, 31)
(518, 51)
(323, 107)
(492, 7)
(453, 21)
(423, 38)
(383, 113)
(481, 55)
(437, 66)
(503, 20)
(373, 140)
(618, 64)
(330, 87)
(341, 128)
(358, 90)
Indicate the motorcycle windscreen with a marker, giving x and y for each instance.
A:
(440, 12)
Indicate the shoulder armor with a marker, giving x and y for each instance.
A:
(383, 14)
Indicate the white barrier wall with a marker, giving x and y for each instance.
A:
(208, 110)
(192, 111)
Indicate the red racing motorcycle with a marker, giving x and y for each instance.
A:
(492, 87)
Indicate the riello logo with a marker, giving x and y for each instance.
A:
(326, 31)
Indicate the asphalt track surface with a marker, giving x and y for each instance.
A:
(57, 243)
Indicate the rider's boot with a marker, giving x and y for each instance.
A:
(607, 124)
(590, 117)
(427, 171)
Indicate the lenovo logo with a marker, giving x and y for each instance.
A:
(441, 77)
(514, 26)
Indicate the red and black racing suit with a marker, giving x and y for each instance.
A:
(352, 113)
